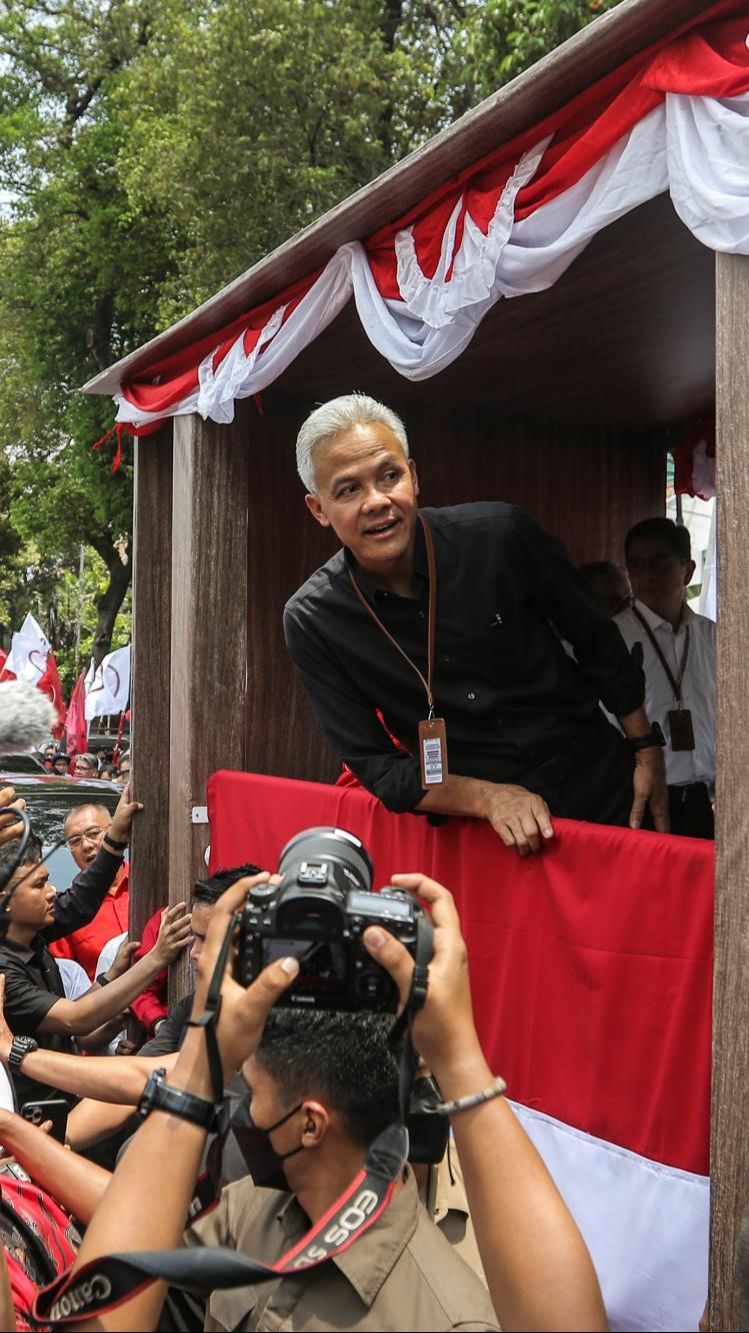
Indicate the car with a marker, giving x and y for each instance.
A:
(21, 763)
(49, 799)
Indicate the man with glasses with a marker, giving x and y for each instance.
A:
(679, 659)
(88, 829)
(86, 766)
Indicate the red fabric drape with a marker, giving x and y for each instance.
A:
(590, 962)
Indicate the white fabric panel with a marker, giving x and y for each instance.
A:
(544, 244)
(646, 1225)
(436, 300)
(708, 168)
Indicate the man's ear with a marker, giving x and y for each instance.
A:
(316, 1124)
(414, 478)
(315, 508)
(691, 566)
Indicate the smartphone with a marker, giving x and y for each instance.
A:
(56, 1110)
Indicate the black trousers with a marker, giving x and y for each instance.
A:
(691, 811)
(592, 780)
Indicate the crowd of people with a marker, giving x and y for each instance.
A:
(101, 765)
(586, 694)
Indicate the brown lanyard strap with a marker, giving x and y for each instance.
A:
(674, 683)
(432, 566)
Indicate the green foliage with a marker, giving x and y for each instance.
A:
(148, 154)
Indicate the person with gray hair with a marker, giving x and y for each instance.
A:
(460, 612)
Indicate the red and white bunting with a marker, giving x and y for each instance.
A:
(673, 118)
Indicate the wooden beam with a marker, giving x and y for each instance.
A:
(152, 541)
(209, 633)
(730, 1141)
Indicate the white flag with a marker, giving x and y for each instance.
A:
(29, 651)
(108, 687)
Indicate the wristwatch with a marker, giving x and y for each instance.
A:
(112, 842)
(103, 979)
(159, 1096)
(19, 1047)
(653, 737)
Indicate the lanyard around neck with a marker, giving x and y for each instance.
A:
(672, 680)
(432, 567)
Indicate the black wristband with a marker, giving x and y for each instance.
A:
(159, 1096)
(118, 846)
(653, 737)
(103, 979)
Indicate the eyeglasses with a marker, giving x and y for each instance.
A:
(657, 564)
(93, 834)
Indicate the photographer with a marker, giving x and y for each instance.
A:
(539, 1273)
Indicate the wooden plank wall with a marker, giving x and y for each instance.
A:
(587, 485)
(152, 613)
(729, 1154)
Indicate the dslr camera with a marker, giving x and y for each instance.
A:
(318, 914)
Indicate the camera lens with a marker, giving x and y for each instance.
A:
(334, 846)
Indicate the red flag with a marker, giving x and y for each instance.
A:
(5, 675)
(76, 729)
(49, 684)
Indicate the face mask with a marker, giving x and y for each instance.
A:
(264, 1164)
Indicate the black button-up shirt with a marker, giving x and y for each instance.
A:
(511, 697)
(32, 979)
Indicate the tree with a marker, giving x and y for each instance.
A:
(148, 154)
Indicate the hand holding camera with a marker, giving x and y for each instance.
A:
(443, 1031)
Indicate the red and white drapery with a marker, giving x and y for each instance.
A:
(673, 118)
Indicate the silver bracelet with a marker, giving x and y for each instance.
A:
(473, 1099)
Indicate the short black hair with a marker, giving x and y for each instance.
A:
(664, 529)
(9, 852)
(209, 890)
(344, 1057)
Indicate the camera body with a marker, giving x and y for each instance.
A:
(318, 914)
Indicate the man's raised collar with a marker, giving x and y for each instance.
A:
(370, 1260)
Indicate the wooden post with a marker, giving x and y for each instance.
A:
(730, 1137)
(209, 634)
(152, 541)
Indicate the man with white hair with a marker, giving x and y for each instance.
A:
(523, 736)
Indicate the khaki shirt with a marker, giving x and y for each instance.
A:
(401, 1274)
(444, 1197)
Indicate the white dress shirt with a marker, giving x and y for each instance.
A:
(697, 687)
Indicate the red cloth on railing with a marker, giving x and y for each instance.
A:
(591, 962)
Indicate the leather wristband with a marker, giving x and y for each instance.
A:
(159, 1096)
(112, 842)
(653, 737)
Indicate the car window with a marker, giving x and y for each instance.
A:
(21, 763)
(48, 803)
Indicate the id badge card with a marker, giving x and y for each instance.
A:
(433, 752)
(681, 729)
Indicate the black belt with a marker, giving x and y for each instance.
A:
(684, 792)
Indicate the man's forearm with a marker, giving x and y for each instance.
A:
(91, 1121)
(98, 1006)
(74, 1182)
(635, 724)
(166, 1152)
(457, 796)
(537, 1268)
(103, 1077)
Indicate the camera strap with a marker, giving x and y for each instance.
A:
(107, 1282)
